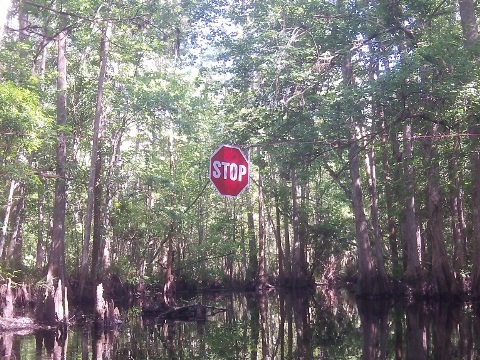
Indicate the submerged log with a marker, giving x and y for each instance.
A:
(195, 312)
(18, 325)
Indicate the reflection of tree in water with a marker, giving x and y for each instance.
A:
(54, 342)
(6, 344)
(302, 324)
(444, 317)
(416, 331)
(285, 326)
(335, 323)
(374, 320)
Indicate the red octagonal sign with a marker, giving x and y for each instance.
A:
(229, 170)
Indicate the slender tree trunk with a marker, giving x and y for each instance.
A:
(442, 276)
(413, 271)
(278, 238)
(303, 233)
(59, 211)
(96, 270)
(110, 194)
(371, 173)
(371, 281)
(252, 270)
(457, 208)
(261, 231)
(56, 305)
(286, 236)
(459, 251)
(40, 253)
(297, 275)
(370, 167)
(476, 218)
(366, 272)
(6, 217)
(169, 287)
(14, 252)
(391, 224)
(97, 128)
(470, 34)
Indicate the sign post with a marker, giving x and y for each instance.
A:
(229, 170)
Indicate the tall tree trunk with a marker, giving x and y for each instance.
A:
(366, 273)
(470, 35)
(278, 238)
(40, 253)
(6, 216)
(97, 239)
(56, 305)
(97, 128)
(370, 280)
(252, 269)
(444, 283)
(413, 273)
(391, 223)
(476, 218)
(109, 196)
(303, 233)
(286, 236)
(370, 167)
(468, 20)
(261, 229)
(169, 287)
(14, 253)
(459, 232)
(297, 273)
(371, 173)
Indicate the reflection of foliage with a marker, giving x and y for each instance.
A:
(225, 341)
(335, 328)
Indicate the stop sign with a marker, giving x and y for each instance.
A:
(229, 170)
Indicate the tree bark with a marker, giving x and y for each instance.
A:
(370, 169)
(169, 287)
(40, 253)
(457, 209)
(476, 217)
(443, 280)
(278, 238)
(468, 20)
(56, 300)
(14, 253)
(413, 244)
(261, 230)
(252, 270)
(297, 273)
(389, 191)
(286, 235)
(371, 281)
(6, 217)
(470, 35)
(366, 273)
(96, 144)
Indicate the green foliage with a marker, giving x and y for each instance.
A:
(22, 123)
(184, 77)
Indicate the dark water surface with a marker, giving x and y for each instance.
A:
(322, 325)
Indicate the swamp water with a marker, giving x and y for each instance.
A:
(323, 325)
